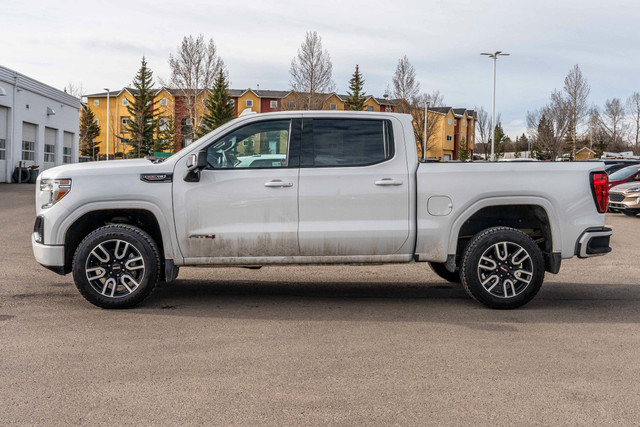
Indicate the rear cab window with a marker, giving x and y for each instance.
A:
(346, 142)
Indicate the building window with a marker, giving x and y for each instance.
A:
(96, 102)
(232, 102)
(292, 105)
(204, 101)
(125, 121)
(96, 121)
(249, 103)
(449, 138)
(455, 123)
(49, 153)
(3, 149)
(333, 106)
(370, 108)
(28, 150)
(66, 154)
(464, 123)
(449, 121)
(163, 102)
(163, 124)
(125, 102)
(273, 104)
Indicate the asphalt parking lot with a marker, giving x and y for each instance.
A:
(372, 345)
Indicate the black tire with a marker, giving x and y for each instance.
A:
(21, 175)
(142, 254)
(483, 254)
(442, 271)
(627, 213)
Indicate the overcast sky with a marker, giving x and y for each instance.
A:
(99, 44)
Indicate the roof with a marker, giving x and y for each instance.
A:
(23, 82)
(441, 110)
(585, 148)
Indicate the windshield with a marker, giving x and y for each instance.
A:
(623, 173)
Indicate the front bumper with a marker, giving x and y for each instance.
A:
(49, 256)
(594, 242)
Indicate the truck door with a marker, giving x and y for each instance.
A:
(354, 188)
(246, 202)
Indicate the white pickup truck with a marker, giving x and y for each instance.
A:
(316, 187)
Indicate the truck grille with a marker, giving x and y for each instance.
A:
(616, 197)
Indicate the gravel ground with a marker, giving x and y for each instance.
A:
(373, 345)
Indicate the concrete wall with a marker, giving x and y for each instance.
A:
(26, 100)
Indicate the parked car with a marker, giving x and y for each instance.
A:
(625, 198)
(614, 167)
(351, 191)
(628, 174)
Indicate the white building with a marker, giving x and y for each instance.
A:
(38, 124)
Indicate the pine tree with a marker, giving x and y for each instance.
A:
(218, 110)
(142, 124)
(356, 96)
(166, 140)
(463, 150)
(89, 131)
(516, 148)
(499, 147)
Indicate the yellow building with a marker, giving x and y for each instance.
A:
(453, 131)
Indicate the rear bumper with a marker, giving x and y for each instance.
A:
(49, 256)
(594, 242)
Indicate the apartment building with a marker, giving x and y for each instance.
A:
(455, 125)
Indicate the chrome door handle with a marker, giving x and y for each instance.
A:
(389, 181)
(278, 183)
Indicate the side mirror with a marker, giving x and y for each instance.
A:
(195, 163)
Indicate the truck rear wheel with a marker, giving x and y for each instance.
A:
(116, 266)
(502, 268)
(442, 271)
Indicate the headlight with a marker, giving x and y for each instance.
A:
(56, 189)
(632, 190)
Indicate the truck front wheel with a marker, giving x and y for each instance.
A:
(116, 266)
(502, 268)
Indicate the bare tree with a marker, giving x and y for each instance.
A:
(576, 91)
(193, 69)
(612, 121)
(548, 126)
(75, 89)
(435, 99)
(633, 108)
(405, 86)
(483, 125)
(311, 73)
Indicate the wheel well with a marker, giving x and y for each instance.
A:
(530, 219)
(91, 221)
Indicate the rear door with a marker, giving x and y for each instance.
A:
(353, 188)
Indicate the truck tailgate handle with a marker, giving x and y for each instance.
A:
(278, 183)
(389, 181)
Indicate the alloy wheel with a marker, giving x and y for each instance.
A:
(115, 268)
(505, 269)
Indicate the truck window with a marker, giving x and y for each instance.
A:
(257, 145)
(351, 142)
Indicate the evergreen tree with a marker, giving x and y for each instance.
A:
(166, 140)
(142, 115)
(217, 109)
(499, 147)
(89, 131)
(516, 148)
(463, 150)
(356, 96)
(545, 139)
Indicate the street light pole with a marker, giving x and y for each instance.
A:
(107, 89)
(494, 56)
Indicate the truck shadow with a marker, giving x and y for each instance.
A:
(360, 301)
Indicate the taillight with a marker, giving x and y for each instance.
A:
(600, 190)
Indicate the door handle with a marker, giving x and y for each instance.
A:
(389, 181)
(276, 183)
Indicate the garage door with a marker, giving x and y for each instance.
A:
(4, 126)
(67, 149)
(49, 147)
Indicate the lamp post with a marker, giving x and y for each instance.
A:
(107, 89)
(494, 56)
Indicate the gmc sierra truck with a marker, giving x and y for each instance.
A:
(316, 187)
